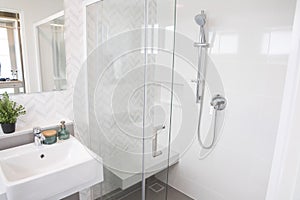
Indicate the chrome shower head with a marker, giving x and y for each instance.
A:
(200, 19)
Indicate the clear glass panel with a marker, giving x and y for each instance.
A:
(128, 89)
(245, 65)
(115, 85)
(160, 43)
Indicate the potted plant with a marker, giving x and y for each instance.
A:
(9, 112)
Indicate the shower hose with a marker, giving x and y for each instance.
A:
(214, 130)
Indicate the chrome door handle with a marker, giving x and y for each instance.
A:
(156, 129)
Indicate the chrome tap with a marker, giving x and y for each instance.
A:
(38, 136)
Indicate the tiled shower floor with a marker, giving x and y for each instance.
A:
(156, 190)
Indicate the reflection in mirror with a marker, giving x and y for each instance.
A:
(11, 58)
(32, 52)
(51, 53)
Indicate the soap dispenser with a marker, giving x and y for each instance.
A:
(63, 133)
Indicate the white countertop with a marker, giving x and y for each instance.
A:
(2, 192)
(21, 131)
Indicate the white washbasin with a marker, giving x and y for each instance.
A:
(53, 171)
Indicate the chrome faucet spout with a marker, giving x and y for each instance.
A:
(38, 136)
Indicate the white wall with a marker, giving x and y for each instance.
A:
(284, 183)
(250, 51)
(32, 11)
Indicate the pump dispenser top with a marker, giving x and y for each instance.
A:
(63, 133)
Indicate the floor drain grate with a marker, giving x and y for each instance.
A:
(156, 187)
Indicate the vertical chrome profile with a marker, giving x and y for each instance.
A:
(145, 97)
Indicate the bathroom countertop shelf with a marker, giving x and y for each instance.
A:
(11, 84)
(25, 136)
(29, 130)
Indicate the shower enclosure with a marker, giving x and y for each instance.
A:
(132, 90)
(145, 63)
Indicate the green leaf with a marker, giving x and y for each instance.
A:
(10, 110)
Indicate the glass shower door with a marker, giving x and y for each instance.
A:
(159, 46)
(115, 82)
(127, 82)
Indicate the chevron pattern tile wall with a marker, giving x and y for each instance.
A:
(44, 108)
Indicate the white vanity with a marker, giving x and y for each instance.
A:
(30, 172)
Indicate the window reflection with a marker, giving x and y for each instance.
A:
(11, 63)
(276, 42)
(225, 43)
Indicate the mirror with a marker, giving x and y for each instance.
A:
(32, 49)
(51, 52)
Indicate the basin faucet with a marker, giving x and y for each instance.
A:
(38, 136)
(156, 153)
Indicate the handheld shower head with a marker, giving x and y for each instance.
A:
(200, 19)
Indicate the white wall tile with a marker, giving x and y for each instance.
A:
(253, 80)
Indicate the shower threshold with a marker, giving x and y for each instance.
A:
(131, 165)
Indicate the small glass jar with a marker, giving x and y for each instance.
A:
(50, 136)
